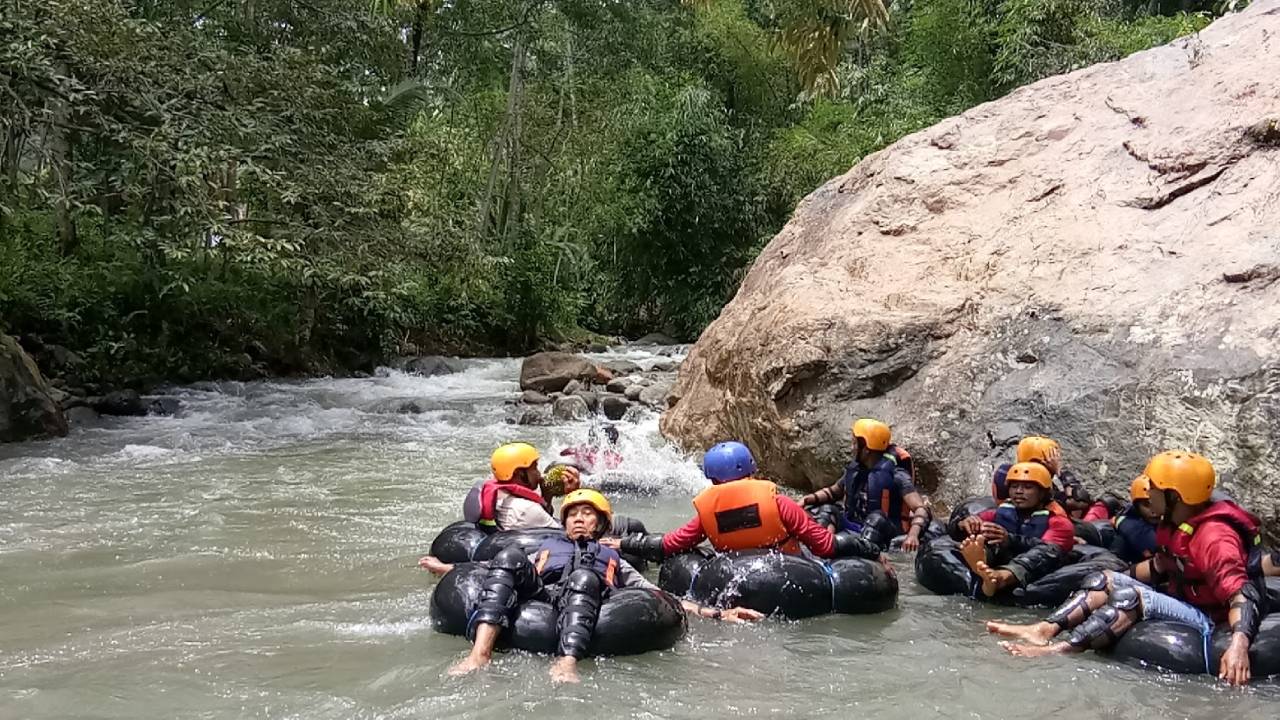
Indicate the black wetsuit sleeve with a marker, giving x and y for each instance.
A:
(1036, 562)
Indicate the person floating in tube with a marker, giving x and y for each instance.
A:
(1022, 540)
(1203, 553)
(1136, 525)
(879, 491)
(739, 512)
(573, 572)
(596, 455)
(517, 496)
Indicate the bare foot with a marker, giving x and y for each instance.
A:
(469, 664)
(974, 551)
(993, 581)
(1035, 634)
(565, 670)
(433, 564)
(1031, 651)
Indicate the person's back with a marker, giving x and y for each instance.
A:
(739, 512)
(743, 515)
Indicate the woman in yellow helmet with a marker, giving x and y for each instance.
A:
(878, 488)
(1204, 546)
(574, 572)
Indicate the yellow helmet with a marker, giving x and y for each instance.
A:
(1186, 473)
(586, 496)
(873, 433)
(1036, 448)
(1031, 472)
(511, 457)
(1140, 488)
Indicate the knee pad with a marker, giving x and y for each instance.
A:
(1126, 598)
(1061, 617)
(1096, 632)
(1095, 581)
(508, 559)
(579, 611)
(583, 581)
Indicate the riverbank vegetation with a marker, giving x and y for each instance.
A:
(205, 188)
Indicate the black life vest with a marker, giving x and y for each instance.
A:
(1137, 536)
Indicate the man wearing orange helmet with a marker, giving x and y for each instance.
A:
(1033, 448)
(515, 497)
(878, 489)
(1136, 525)
(1022, 540)
(573, 572)
(1203, 554)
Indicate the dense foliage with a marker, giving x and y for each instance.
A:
(231, 187)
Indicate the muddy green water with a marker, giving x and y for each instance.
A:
(254, 558)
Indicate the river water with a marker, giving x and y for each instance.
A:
(254, 557)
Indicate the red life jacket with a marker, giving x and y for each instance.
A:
(1188, 579)
(489, 498)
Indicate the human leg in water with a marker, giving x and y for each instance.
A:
(579, 606)
(1100, 630)
(511, 579)
(1093, 594)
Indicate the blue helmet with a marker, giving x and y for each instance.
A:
(728, 461)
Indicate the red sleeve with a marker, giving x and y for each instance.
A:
(1061, 533)
(1098, 511)
(987, 515)
(1218, 549)
(684, 539)
(800, 525)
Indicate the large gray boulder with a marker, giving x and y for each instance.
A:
(549, 372)
(1094, 257)
(26, 408)
(570, 407)
(429, 365)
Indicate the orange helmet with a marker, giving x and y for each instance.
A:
(1140, 488)
(1186, 473)
(511, 457)
(873, 433)
(1031, 472)
(1038, 448)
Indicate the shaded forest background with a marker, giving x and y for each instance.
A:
(233, 188)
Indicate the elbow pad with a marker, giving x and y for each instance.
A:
(849, 544)
(1250, 611)
(648, 547)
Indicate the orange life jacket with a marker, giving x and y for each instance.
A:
(743, 515)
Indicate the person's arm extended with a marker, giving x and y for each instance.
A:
(828, 494)
(656, 546)
(920, 517)
(1218, 546)
(802, 527)
(729, 615)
